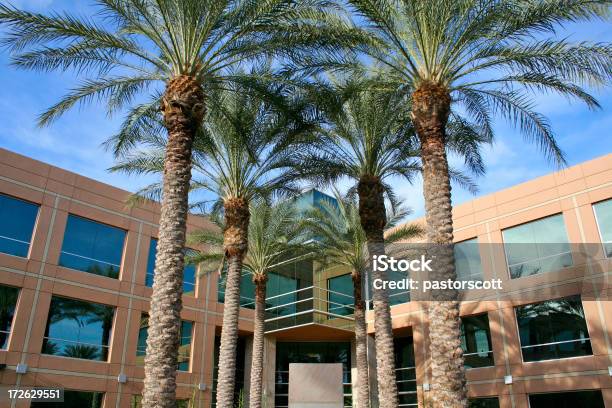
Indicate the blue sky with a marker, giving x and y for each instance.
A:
(73, 142)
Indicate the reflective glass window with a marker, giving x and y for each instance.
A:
(18, 219)
(8, 302)
(340, 299)
(467, 260)
(489, 402)
(189, 270)
(603, 212)
(74, 399)
(78, 329)
(93, 247)
(572, 399)
(405, 372)
(553, 329)
(537, 247)
(184, 352)
(476, 341)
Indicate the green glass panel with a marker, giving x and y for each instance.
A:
(603, 212)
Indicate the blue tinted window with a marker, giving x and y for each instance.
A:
(467, 260)
(603, 212)
(340, 297)
(189, 271)
(8, 301)
(185, 334)
(18, 219)
(536, 247)
(571, 399)
(92, 247)
(78, 329)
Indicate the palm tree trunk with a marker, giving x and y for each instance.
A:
(373, 219)
(258, 342)
(235, 242)
(431, 106)
(361, 345)
(183, 109)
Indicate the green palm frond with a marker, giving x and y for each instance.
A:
(491, 56)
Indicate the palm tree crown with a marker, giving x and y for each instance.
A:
(487, 56)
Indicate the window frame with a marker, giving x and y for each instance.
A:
(477, 244)
(599, 230)
(34, 226)
(504, 243)
(489, 340)
(11, 326)
(123, 248)
(518, 331)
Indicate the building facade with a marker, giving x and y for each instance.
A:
(76, 269)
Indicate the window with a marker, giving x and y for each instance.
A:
(591, 399)
(18, 219)
(74, 399)
(537, 247)
(184, 352)
(603, 214)
(189, 271)
(340, 298)
(476, 341)
(553, 329)
(78, 329)
(92, 247)
(489, 402)
(405, 372)
(467, 260)
(8, 302)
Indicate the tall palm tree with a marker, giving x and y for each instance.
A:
(240, 154)
(176, 52)
(341, 240)
(275, 236)
(369, 140)
(478, 59)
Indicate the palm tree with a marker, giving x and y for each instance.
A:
(369, 140)
(275, 236)
(341, 240)
(477, 59)
(176, 52)
(240, 154)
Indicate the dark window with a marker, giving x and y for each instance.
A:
(573, 399)
(340, 298)
(74, 399)
(310, 352)
(405, 372)
(603, 213)
(476, 341)
(8, 302)
(137, 402)
(189, 271)
(90, 246)
(78, 329)
(553, 329)
(18, 219)
(239, 376)
(184, 352)
(467, 260)
(489, 402)
(537, 247)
